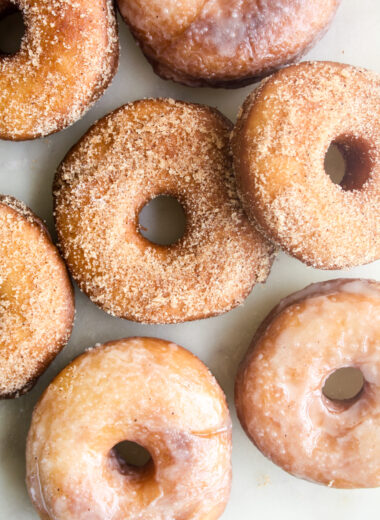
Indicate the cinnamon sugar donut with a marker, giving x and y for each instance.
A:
(145, 390)
(225, 43)
(280, 141)
(68, 56)
(143, 150)
(279, 386)
(36, 299)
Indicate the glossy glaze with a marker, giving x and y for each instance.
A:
(224, 42)
(279, 385)
(144, 390)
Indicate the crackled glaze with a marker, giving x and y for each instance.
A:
(279, 386)
(145, 390)
(225, 42)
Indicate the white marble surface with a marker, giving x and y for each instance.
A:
(260, 489)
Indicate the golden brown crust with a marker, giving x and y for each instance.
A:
(36, 299)
(145, 390)
(278, 390)
(145, 149)
(224, 43)
(279, 145)
(68, 56)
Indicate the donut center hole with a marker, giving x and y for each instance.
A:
(162, 220)
(348, 162)
(131, 456)
(12, 30)
(335, 164)
(344, 385)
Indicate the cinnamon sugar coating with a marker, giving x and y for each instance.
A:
(36, 299)
(68, 56)
(143, 150)
(147, 391)
(279, 144)
(225, 43)
(278, 392)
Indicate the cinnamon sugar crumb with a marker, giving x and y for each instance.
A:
(36, 298)
(67, 58)
(280, 143)
(138, 152)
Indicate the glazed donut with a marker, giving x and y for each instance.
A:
(68, 56)
(145, 390)
(224, 43)
(36, 299)
(143, 150)
(279, 386)
(279, 145)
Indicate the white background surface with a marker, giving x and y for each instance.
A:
(260, 489)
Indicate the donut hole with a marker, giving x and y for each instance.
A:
(348, 162)
(344, 386)
(132, 457)
(162, 220)
(335, 164)
(12, 30)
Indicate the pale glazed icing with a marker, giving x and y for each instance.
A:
(145, 149)
(36, 298)
(279, 143)
(279, 385)
(68, 56)
(145, 390)
(224, 42)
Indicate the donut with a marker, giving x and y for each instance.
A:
(224, 43)
(279, 144)
(143, 150)
(68, 56)
(279, 388)
(147, 391)
(36, 299)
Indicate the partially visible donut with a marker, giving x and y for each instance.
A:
(279, 145)
(147, 391)
(224, 43)
(36, 299)
(279, 387)
(68, 56)
(143, 150)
